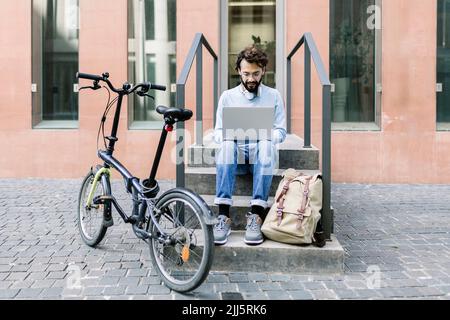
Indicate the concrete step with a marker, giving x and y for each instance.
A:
(270, 256)
(203, 181)
(291, 154)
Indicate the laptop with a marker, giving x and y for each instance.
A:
(247, 123)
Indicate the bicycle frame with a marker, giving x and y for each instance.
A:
(148, 190)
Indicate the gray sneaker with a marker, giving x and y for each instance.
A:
(253, 234)
(222, 230)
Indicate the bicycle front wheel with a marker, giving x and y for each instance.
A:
(91, 219)
(184, 262)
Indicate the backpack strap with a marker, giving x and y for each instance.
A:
(280, 201)
(301, 210)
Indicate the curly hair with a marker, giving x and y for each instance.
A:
(252, 54)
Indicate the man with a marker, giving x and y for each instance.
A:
(260, 156)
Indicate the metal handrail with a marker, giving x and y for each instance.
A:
(311, 51)
(196, 52)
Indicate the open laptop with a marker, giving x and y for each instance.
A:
(247, 123)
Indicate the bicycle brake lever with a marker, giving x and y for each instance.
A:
(90, 87)
(143, 94)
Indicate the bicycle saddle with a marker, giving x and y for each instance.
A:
(175, 114)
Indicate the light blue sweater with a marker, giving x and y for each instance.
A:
(239, 97)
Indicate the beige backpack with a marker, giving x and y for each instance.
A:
(296, 210)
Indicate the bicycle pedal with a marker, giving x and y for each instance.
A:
(133, 219)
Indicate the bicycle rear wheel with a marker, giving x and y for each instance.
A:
(91, 219)
(184, 263)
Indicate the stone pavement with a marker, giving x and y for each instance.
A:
(396, 238)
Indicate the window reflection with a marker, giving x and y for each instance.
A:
(151, 54)
(251, 22)
(443, 61)
(55, 59)
(352, 61)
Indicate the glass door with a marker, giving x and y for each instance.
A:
(251, 22)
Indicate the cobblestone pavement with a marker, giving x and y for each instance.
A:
(396, 239)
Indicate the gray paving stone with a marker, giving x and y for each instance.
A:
(300, 295)
(324, 294)
(238, 277)
(214, 278)
(225, 287)
(278, 295)
(158, 289)
(29, 293)
(17, 276)
(314, 286)
(137, 290)
(150, 280)
(279, 278)
(129, 281)
(8, 293)
(6, 284)
(255, 296)
(270, 286)
(346, 294)
(22, 284)
(45, 283)
(164, 297)
(258, 277)
(114, 291)
(248, 287)
(109, 281)
(93, 291)
(412, 253)
(51, 293)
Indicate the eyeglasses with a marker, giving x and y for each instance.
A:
(254, 75)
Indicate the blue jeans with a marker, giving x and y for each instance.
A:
(239, 159)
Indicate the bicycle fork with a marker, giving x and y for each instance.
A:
(97, 178)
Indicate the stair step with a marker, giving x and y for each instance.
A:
(203, 181)
(292, 154)
(270, 256)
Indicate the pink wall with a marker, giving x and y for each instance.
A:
(198, 16)
(307, 16)
(406, 150)
(67, 153)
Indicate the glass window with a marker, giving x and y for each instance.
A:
(55, 32)
(151, 57)
(443, 61)
(251, 22)
(353, 61)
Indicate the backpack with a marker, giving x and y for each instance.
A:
(296, 210)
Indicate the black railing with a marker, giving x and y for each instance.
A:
(312, 51)
(196, 52)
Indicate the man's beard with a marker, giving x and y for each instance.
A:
(253, 88)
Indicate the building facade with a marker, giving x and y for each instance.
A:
(388, 61)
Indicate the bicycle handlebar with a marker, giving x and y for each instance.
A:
(126, 89)
(89, 76)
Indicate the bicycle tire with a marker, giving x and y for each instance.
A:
(94, 239)
(199, 240)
